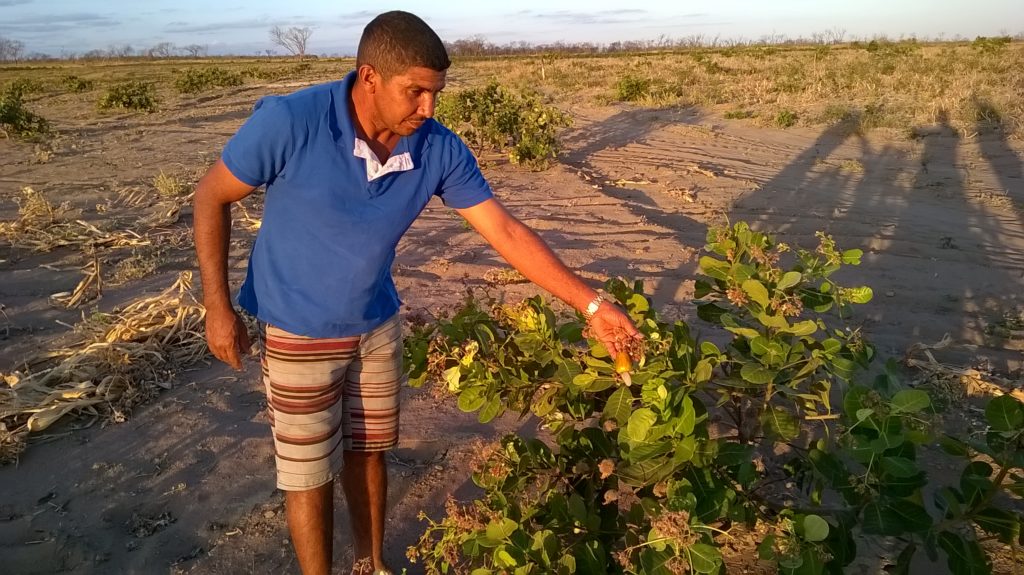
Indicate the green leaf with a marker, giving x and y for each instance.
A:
(852, 257)
(756, 291)
(1004, 413)
(766, 548)
(502, 529)
(759, 345)
(452, 375)
(503, 559)
(998, 522)
(684, 449)
(619, 405)
(702, 372)
(640, 423)
(910, 401)
(899, 467)
(755, 373)
(688, 417)
(815, 529)
(704, 558)
(708, 348)
(638, 303)
(862, 294)
(711, 313)
(490, 410)
(743, 331)
(713, 268)
(583, 380)
(895, 517)
(781, 423)
(789, 279)
(646, 473)
(806, 327)
(471, 399)
(963, 557)
(577, 508)
(953, 446)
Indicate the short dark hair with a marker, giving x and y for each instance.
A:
(395, 41)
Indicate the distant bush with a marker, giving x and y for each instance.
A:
(494, 117)
(993, 45)
(739, 114)
(632, 88)
(72, 83)
(26, 86)
(17, 120)
(194, 80)
(887, 48)
(132, 95)
(785, 118)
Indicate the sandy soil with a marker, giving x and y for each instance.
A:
(187, 484)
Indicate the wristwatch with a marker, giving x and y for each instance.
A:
(593, 306)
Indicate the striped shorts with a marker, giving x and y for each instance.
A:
(330, 395)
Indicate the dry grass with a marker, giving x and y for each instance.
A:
(42, 227)
(898, 86)
(168, 186)
(120, 360)
(504, 276)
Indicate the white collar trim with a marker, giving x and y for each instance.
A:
(400, 163)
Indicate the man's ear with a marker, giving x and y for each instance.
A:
(369, 77)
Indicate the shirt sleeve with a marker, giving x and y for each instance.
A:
(463, 185)
(256, 154)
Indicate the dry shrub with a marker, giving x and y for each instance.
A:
(504, 276)
(41, 226)
(120, 360)
(169, 186)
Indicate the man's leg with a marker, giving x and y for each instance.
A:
(311, 524)
(365, 480)
(370, 424)
(304, 378)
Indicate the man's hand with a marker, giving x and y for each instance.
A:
(227, 337)
(613, 328)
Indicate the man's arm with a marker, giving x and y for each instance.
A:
(526, 251)
(225, 331)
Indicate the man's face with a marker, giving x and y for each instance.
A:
(406, 100)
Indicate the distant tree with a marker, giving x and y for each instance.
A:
(10, 50)
(196, 50)
(120, 51)
(292, 39)
(161, 50)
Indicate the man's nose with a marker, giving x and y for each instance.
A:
(428, 102)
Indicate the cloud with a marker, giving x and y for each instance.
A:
(247, 24)
(5, 3)
(57, 23)
(85, 19)
(568, 17)
(362, 15)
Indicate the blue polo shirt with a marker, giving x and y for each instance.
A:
(321, 263)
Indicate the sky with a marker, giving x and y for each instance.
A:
(237, 27)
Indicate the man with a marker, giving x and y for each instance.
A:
(348, 166)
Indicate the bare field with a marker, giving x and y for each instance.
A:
(913, 157)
